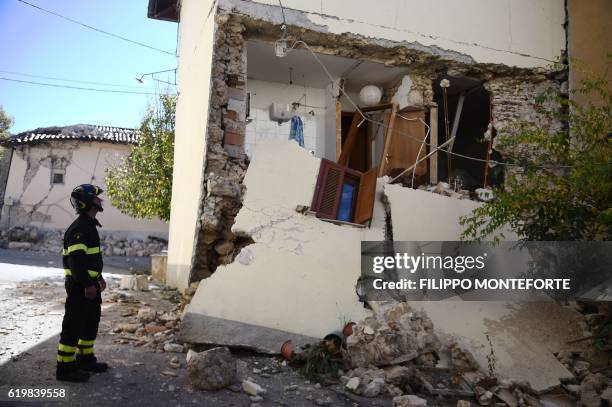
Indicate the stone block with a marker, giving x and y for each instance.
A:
(134, 283)
(159, 264)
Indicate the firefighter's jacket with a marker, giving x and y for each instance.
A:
(82, 256)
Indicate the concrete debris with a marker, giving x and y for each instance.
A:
(409, 400)
(592, 388)
(352, 384)
(213, 369)
(173, 347)
(392, 333)
(152, 329)
(20, 245)
(129, 328)
(463, 403)
(365, 382)
(606, 396)
(190, 354)
(252, 388)
(445, 189)
(146, 315)
(48, 240)
(135, 283)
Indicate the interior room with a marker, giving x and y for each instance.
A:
(296, 85)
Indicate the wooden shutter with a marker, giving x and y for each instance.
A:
(326, 199)
(365, 197)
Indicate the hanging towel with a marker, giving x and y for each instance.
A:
(297, 130)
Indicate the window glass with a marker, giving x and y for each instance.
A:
(346, 202)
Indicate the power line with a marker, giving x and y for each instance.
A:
(74, 80)
(96, 29)
(76, 87)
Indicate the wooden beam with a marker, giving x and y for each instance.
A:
(338, 129)
(433, 140)
(456, 119)
(388, 136)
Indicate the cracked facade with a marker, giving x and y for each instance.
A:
(225, 65)
(32, 198)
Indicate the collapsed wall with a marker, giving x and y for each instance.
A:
(513, 91)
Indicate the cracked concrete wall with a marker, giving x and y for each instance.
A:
(38, 202)
(515, 33)
(300, 273)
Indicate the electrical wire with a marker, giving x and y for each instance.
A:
(331, 78)
(76, 87)
(420, 148)
(97, 29)
(75, 81)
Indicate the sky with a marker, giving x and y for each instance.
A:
(33, 42)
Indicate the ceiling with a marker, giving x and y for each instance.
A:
(264, 65)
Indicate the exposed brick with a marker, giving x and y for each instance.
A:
(231, 114)
(235, 139)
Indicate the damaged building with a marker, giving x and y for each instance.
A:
(304, 130)
(40, 169)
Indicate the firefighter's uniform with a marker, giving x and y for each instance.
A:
(82, 260)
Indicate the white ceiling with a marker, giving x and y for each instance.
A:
(263, 64)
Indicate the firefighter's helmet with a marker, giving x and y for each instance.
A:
(82, 197)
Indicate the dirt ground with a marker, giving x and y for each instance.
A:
(140, 375)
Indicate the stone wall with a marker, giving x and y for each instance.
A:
(226, 162)
(112, 244)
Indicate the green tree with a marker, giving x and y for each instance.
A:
(141, 185)
(5, 124)
(560, 184)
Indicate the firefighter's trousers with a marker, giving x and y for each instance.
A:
(80, 325)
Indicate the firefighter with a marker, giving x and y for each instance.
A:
(82, 260)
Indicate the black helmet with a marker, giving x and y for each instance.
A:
(82, 197)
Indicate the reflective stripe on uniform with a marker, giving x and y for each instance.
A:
(66, 348)
(81, 246)
(65, 359)
(85, 351)
(92, 273)
(86, 343)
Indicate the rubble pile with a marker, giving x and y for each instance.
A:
(32, 238)
(395, 334)
(145, 326)
(445, 189)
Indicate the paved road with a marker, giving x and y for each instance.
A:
(112, 264)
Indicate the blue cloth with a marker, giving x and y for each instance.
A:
(297, 130)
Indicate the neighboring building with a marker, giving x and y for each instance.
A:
(47, 163)
(497, 54)
(589, 41)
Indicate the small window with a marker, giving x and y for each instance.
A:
(57, 177)
(344, 194)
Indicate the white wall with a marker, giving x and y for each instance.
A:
(523, 33)
(300, 274)
(262, 128)
(196, 51)
(87, 164)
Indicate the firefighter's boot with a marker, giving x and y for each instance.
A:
(69, 372)
(89, 363)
